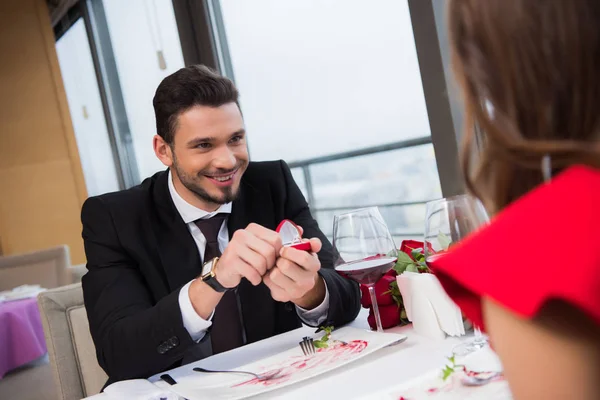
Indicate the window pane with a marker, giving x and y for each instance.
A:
(298, 176)
(404, 222)
(322, 77)
(87, 115)
(140, 30)
(399, 176)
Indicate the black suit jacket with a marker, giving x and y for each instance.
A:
(140, 253)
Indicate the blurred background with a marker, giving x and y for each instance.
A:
(352, 94)
(355, 95)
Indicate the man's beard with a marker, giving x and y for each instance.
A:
(190, 182)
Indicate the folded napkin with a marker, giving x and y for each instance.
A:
(21, 292)
(138, 389)
(427, 305)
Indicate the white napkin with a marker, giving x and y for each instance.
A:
(21, 292)
(427, 305)
(138, 389)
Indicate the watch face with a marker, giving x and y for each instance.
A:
(206, 268)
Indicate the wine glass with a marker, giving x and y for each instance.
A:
(364, 250)
(447, 221)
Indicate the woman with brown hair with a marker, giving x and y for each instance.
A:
(529, 72)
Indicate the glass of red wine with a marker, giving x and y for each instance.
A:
(364, 249)
(447, 221)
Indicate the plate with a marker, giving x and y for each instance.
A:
(346, 345)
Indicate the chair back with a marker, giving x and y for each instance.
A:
(70, 347)
(48, 268)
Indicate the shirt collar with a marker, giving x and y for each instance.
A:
(190, 213)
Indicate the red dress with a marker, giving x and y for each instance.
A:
(544, 246)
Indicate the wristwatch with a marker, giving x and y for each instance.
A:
(209, 276)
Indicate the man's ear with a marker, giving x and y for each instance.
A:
(162, 150)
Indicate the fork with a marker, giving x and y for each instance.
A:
(307, 345)
(480, 381)
(261, 377)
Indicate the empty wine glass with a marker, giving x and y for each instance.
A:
(364, 250)
(447, 221)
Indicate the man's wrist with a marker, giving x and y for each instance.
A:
(215, 277)
(192, 322)
(223, 278)
(313, 297)
(204, 299)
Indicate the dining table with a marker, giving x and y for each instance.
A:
(21, 334)
(376, 375)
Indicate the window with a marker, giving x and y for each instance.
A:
(146, 49)
(320, 78)
(331, 86)
(323, 77)
(89, 123)
(399, 181)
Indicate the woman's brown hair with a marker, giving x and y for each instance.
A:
(529, 71)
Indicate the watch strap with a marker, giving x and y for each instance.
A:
(214, 283)
(211, 279)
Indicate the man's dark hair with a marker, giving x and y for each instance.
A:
(196, 85)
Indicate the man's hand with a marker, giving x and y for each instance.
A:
(250, 254)
(294, 277)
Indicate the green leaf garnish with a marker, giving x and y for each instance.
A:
(322, 343)
(403, 315)
(412, 268)
(395, 292)
(403, 261)
(446, 372)
(416, 253)
(415, 264)
(444, 241)
(450, 369)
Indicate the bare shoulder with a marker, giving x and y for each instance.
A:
(555, 355)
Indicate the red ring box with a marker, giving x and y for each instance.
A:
(290, 235)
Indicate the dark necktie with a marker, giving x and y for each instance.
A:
(226, 330)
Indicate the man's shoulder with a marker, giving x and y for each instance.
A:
(265, 171)
(131, 199)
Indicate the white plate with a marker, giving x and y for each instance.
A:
(295, 367)
(430, 386)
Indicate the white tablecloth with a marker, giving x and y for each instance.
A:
(387, 368)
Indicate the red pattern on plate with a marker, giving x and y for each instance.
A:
(337, 351)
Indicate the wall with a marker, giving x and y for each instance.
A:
(41, 182)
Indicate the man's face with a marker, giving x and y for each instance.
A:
(209, 154)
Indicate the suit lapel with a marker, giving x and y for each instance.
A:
(181, 262)
(251, 205)
(239, 213)
(176, 247)
(256, 302)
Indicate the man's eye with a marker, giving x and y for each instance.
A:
(203, 146)
(235, 139)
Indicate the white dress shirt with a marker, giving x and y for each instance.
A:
(193, 323)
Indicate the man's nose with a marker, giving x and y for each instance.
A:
(224, 158)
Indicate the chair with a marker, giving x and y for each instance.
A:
(48, 268)
(70, 347)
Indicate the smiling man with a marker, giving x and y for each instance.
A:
(188, 264)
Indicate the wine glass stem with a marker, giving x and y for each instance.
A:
(375, 308)
(479, 338)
